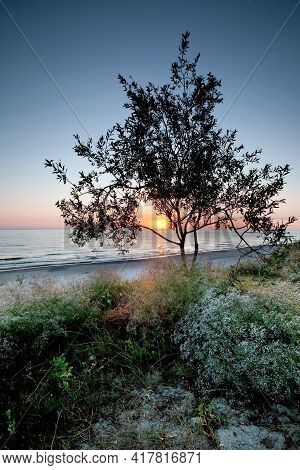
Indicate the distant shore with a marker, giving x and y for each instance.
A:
(127, 269)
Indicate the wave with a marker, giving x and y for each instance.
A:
(52, 254)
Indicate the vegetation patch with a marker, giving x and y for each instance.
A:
(239, 343)
(172, 342)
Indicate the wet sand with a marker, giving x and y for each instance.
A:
(127, 269)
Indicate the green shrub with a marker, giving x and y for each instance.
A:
(28, 327)
(283, 263)
(238, 343)
(34, 316)
(61, 371)
(104, 292)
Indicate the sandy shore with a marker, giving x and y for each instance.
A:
(128, 269)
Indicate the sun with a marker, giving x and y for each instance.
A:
(160, 223)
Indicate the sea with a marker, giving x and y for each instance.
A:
(43, 247)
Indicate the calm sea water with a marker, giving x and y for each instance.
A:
(28, 248)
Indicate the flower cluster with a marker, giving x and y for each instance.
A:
(239, 343)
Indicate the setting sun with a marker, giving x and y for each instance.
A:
(160, 223)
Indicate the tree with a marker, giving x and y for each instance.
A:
(171, 153)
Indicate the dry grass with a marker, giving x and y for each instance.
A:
(284, 292)
(161, 294)
(31, 290)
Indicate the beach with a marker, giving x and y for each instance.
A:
(127, 269)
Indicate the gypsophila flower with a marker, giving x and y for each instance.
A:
(239, 343)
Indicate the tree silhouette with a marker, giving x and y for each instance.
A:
(170, 152)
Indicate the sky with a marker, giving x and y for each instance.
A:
(72, 87)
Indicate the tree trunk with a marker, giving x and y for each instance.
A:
(182, 252)
(196, 244)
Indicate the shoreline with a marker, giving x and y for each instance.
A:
(127, 269)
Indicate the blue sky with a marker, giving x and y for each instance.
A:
(85, 44)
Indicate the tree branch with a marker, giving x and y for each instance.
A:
(160, 235)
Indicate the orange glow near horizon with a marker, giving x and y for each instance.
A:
(37, 217)
(149, 218)
(160, 223)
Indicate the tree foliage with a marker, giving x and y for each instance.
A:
(170, 152)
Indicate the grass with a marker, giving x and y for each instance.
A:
(162, 295)
(72, 353)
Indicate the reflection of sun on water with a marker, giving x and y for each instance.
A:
(160, 223)
(160, 246)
